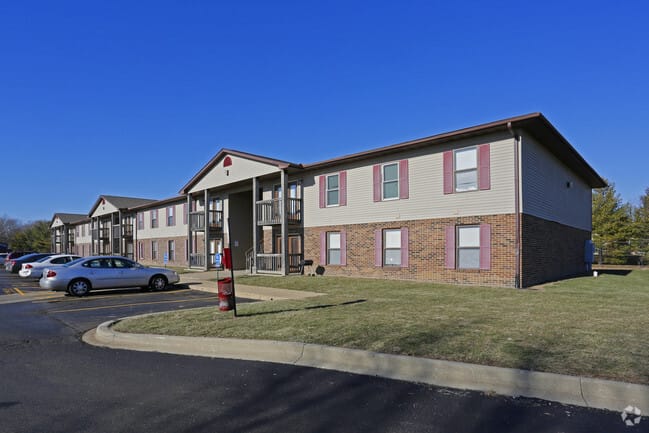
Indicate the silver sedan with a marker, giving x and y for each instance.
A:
(105, 272)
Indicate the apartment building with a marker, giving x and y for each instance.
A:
(506, 203)
(160, 232)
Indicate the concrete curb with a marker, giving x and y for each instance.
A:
(579, 391)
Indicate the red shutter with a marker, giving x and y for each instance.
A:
(403, 179)
(378, 248)
(342, 184)
(343, 248)
(377, 182)
(185, 213)
(323, 248)
(450, 247)
(484, 170)
(485, 246)
(404, 247)
(323, 191)
(167, 217)
(448, 172)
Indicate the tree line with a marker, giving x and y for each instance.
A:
(19, 236)
(620, 230)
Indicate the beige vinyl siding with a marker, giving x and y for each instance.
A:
(426, 194)
(162, 231)
(544, 188)
(57, 223)
(104, 209)
(241, 169)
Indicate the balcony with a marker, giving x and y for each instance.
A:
(269, 212)
(196, 260)
(104, 233)
(197, 220)
(127, 231)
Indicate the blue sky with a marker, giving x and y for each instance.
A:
(132, 98)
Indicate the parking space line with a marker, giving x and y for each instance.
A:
(105, 307)
(117, 296)
(20, 292)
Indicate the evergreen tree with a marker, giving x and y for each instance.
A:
(612, 225)
(33, 237)
(641, 227)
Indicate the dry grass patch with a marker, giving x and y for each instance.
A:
(585, 326)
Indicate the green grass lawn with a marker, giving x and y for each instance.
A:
(597, 327)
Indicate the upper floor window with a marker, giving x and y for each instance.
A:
(466, 169)
(171, 221)
(154, 218)
(333, 190)
(391, 181)
(140, 221)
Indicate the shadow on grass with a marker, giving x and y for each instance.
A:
(313, 307)
(618, 272)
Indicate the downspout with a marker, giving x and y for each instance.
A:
(517, 205)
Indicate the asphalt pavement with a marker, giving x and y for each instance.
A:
(54, 382)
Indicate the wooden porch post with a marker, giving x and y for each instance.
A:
(255, 231)
(284, 207)
(206, 236)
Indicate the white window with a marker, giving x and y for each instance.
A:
(392, 247)
(333, 248)
(154, 250)
(333, 190)
(170, 216)
(468, 247)
(390, 181)
(154, 218)
(466, 170)
(171, 250)
(140, 250)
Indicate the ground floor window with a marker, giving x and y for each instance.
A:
(154, 250)
(392, 247)
(468, 247)
(333, 248)
(171, 250)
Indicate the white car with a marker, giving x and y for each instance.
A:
(35, 269)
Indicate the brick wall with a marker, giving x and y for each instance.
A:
(426, 251)
(181, 252)
(550, 251)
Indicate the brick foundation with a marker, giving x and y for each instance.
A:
(181, 252)
(426, 251)
(550, 251)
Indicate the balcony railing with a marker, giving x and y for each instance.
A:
(104, 233)
(127, 231)
(269, 263)
(272, 263)
(197, 220)
(270, 212)
(196, 260)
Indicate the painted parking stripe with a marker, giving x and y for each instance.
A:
(105, 307)
(20, 292)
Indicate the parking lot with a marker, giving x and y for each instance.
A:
(87, 312)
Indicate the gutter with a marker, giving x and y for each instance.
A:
(517, 205)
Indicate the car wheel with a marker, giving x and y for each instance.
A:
(158, 282)
(79, 287)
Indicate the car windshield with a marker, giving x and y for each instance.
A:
(73, 262)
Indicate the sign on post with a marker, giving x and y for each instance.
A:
(217, 260)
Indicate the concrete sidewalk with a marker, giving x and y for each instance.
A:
(580, 391)
(206, 282)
